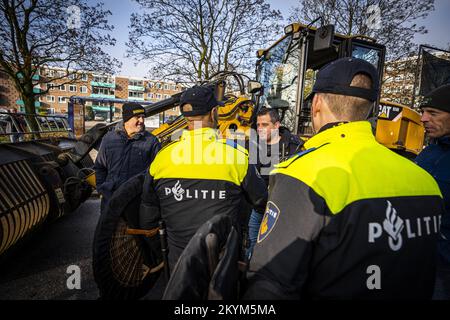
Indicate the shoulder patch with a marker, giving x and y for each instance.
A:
(269, 220)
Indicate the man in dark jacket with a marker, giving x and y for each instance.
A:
(276, 144)
(436, 160)
(125, 151)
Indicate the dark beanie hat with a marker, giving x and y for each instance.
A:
(131, 109)
(439, 98)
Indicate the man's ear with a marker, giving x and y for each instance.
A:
(214, 114)
(316, 105)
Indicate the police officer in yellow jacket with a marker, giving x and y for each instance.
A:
(347, 218)
(198, 176)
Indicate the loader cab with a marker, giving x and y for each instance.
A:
(288, 68)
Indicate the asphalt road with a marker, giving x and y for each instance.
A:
(38, 269)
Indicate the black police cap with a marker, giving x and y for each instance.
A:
(337, 76)
(201, 98)
(439, 98)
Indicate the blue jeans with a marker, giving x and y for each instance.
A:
(253, 229)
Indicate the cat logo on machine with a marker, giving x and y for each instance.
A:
(269, 220)
(389, 112)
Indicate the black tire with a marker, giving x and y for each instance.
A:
(125, 267)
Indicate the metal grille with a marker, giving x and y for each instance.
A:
(126, 257)
(24, 203)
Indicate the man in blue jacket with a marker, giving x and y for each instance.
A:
(126, 151)
(436, 160)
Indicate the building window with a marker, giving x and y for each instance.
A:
(133, 94)
(136, 83)
(61, 74)
(84, 77)
(166, 96)
(72, 88)
(83, 89)
(150, 85)
(166, 87)
(50, 98)
(50, 86)
(51, 110)
(104, 91)
(62, 87)
(50, 73)
(158, 86)
(174, 87)
(150, 96)
(158, 96)
(102, 79)
(62, 100)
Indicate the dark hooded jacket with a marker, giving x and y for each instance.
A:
(436, 160)
(121, 158)
(288, 146)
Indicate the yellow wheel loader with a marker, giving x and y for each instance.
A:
(287, 70)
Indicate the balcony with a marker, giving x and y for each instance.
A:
(35, 77)
(102, 96)
(136, 99)
(103, 84)
(37, 104)
(136, 88)
(103, 108)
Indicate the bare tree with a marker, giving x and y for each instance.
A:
(392, 23)
(36, 34)
(190, 40)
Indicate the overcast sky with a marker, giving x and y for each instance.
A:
(437, 23)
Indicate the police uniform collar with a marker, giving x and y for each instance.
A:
(331, 125)
(341, 131)
(206, 133)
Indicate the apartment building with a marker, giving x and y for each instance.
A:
(88, 85)
(399, 77)
(57, 98)
(9, 96)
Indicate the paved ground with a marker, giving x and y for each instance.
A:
(37, 270)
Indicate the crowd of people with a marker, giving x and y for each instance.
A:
(335, 217)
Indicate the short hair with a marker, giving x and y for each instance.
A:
(273, 113)
(348, 107)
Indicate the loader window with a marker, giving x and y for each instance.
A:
(279, 76)
(371, 55)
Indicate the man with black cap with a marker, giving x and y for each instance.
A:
(125, 151)
(347, 217)
(198, 176)
(436, 160)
